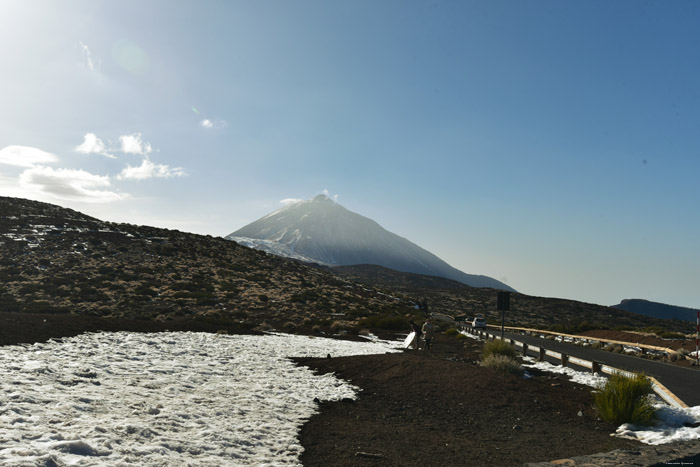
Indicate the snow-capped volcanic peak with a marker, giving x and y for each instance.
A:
(325, 232)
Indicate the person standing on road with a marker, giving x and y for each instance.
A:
(428, 333)
(415, 328)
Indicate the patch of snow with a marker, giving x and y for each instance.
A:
(273, 247)
(589, 379)
(164, 399)
(670, 426)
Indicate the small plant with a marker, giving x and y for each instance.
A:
(672, 357)
(316, 329)
(387, 321)
(342, 327)
(671, 335)
(289, 327)
(615, 348)
(625, 399)
(502, 363)
(499, 347)
(452, 332)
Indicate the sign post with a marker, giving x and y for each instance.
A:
(503, 304)
(697, 338)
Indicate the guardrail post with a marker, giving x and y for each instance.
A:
(596, 367)
(543, 352)
(564, 359)
(524, 349)
(512, 342)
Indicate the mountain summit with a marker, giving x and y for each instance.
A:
(324, 231)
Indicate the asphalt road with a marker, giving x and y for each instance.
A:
(683, 382)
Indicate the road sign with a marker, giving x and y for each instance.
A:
(503, 301)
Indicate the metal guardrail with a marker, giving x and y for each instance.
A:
(596, 367)
(575, 336)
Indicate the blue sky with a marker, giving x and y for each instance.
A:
(554, 145)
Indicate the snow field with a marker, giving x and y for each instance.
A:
(163, 399)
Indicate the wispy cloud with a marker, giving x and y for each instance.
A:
(130, 144)
(69, 184)
(288, 201)
(206, 123)
(133, 144)
(148, 169)
(93, 145)
(87, 56)
(327, 193)
(25, 156)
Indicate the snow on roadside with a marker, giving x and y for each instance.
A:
(580, 377)
(669, 428)
(164, 399)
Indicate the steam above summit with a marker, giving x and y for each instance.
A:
(324, 231)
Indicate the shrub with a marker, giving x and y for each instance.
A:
(452, 332)
(338, 326)
(316, 329)
(615, 348)
(289, 327)
(392, 322)
(499, 347)
(671, 335)
(305, 296)
(626, 400)
(672, 357)
(502, 363)
(9, 303)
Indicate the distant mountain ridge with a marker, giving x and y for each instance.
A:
(329, 234)
(657, 310)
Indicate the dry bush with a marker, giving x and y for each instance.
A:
(502, 363)
(499, 347)
(616, 348)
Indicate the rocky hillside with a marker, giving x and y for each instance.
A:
(657, 310)
(456, 299)
(56, 260)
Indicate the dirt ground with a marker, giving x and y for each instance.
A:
(442, 408)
